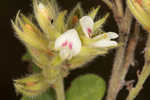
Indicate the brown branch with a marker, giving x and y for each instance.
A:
(119, 7)
(144, 74)
(115, 83)
(129, 58)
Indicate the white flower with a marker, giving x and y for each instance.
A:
(87, 25)
(68, 44)
(106, 41)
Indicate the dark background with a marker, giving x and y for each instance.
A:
(11, 50)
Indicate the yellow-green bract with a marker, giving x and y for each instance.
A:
(141, 11)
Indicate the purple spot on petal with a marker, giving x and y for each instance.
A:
(89, 30)
(70, 46)
(64, 44)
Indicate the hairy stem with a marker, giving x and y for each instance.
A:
(144, 74)
(119, 7)
(59, 88)
(129, 58)
(116, 83)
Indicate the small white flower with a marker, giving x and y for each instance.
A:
(68, 44)
(87, 25)
(106, 40)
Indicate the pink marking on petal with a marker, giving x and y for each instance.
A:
(65, 44)
(70, 46)
(89, 32)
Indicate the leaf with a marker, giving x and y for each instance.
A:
(87, 87)
(35, 68)
(49, 95)
(26, 57)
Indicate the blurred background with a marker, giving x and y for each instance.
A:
(12, 50)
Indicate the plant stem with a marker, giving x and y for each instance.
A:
(116, 83)
(144, 74)
(59, 88)
(129, 58)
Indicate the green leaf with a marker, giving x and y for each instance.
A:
(26, 57)
(35, 68)
(87, 87)
(49, 95)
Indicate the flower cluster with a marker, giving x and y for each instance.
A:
(69, 43)
(60, 42)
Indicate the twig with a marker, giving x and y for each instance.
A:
(116, 83)
(59, 88)
(144, 74)
(129, 58)
(119, 7)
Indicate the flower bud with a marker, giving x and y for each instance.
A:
(45, 13)
(29, 33)
(32, 85)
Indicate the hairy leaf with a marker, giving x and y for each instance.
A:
(87, 87)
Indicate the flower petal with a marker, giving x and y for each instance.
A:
(112, 35)
(69, 42)
(105, 43)
(102, 36)
(87, 25)
(108, 35)
(65, 54)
